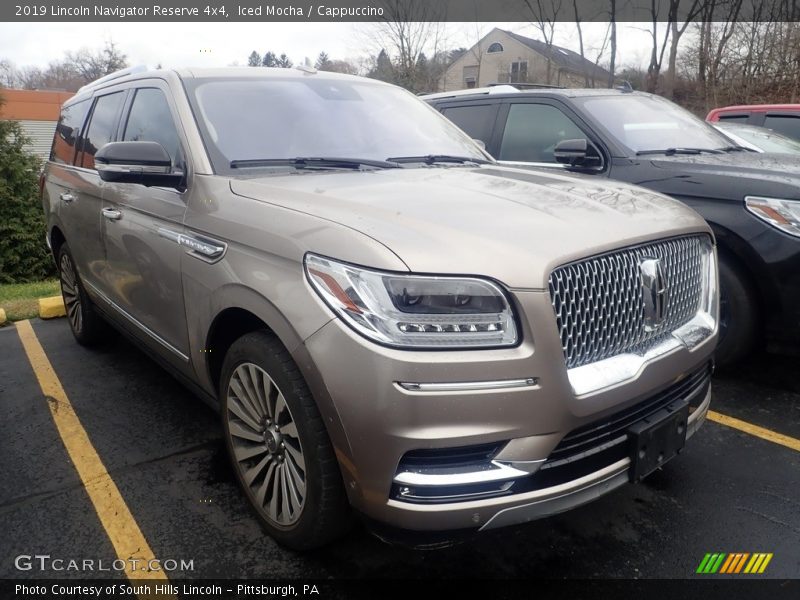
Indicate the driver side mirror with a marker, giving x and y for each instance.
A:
(579, 153)
(145, 163)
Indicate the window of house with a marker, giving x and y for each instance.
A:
(519, 71)
(470, 74)
(532, 132)
(495, 47)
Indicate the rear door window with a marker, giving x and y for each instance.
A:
(68, 131)
(102, 126)
(532, 132)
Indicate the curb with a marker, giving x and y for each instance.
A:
(50, 308)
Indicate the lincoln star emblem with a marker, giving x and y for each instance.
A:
(654, 292)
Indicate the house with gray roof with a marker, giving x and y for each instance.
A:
(505, 57)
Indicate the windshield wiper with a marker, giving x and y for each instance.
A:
(314, 162)
(430, 159)
(737, 149)
(672, 151)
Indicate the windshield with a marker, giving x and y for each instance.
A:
(643, 123)
(249, 122)
(765, 140)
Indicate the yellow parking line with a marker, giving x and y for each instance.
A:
(755, 430)
(128, 540)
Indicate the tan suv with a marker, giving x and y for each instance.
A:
(386, 319)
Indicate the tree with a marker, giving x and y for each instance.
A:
(269, 60)
(342, 66)
(545, 16)
(93, 65)
(383, 68)
(23, 254)
(323, 62)
(283, 62)
(409, 29)
(8, 74)
(254, 60)
(613, 39)
(675, 33)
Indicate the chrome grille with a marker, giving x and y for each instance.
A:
(599, 304)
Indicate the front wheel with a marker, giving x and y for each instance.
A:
(278, 445)
(738, 315)
(87, 326)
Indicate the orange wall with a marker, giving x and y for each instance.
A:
(32, 105)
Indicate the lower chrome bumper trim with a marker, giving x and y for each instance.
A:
(571, 494)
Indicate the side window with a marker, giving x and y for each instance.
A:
(785, 124)
(734, 118)
(102, 126)
(68, 131)
(476, 121)
(150, 120)
(532, 132)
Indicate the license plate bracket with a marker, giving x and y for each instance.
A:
(657, 438)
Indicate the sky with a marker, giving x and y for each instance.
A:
(223, 44)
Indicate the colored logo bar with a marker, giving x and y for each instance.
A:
(734, 563)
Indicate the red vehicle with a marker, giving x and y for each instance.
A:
(783, 118)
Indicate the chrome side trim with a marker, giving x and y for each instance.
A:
(618, 369)
(101, 167)
(519, 163)
(468, 386)
(138, 324)
(491, 471)
(199, 247)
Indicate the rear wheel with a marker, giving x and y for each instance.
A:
(87, 326)
(278, 445)
(738, 315)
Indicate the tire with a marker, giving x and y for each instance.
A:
(739, 316)
(278, 445)
(87, 326)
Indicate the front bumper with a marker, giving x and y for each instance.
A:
(528, 407)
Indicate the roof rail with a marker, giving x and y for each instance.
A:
(496, 89)
(113, 76)
(529, 86)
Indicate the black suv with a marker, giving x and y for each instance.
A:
(752, 201)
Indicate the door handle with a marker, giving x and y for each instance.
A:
(66, 197)
(112, 214)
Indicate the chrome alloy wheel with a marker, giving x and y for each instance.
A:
(70, 292)
(266, 445)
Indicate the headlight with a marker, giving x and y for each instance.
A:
(783, 214)
(412, 311)
(709, 302)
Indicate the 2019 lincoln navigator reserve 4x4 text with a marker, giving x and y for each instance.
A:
(387, 320)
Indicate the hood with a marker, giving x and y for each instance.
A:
(510, 224)
(779, 169)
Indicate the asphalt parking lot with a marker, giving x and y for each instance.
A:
(729, 491)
